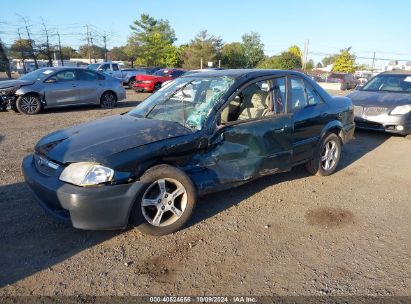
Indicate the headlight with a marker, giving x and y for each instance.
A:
(8, 91)
(401, 110)
(86, 174)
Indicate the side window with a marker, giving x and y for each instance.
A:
(312, 96)
(298, 97)
(105, 67)
(252, 102)
(115, 67)
(279, 94)
(176, 73)
(64, 76)
(87, 75)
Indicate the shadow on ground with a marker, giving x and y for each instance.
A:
(31, 241)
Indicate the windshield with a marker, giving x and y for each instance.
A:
(161, 73)
(187, 101)
(93, 66)
(391, 83)
(39, 74)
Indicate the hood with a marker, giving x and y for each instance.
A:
(99, 139)
(379, 99)
(14, 83)
(147, 77)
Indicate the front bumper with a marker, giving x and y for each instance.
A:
(385, 123)
(92, 208)
(141, 87)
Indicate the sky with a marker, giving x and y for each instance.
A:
(329, 25)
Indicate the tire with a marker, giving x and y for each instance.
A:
(343, 87)
(325, 163)
(108, 100)
(131, 82)
(161, 214)
(157, 86)
(28, 104)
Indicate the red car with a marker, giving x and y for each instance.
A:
(151, 83)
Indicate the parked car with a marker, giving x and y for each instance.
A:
(384, 103)
(151, 83)
(347, 81)
(127, 76)
(202, 133)
(60, 87)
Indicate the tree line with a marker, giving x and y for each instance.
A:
(153, 43)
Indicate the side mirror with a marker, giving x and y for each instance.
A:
(51, 80)
(100, 69)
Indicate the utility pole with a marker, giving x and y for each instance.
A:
(88, 44)
(201, 63)
(33, 54)
(23, 58)
(47, 44)
(92, 49)
(373, 63)
(61, 53)
(105, 46)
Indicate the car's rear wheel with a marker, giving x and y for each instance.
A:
(131, 82)
(166, 202)
(157, 86)
(327, 156)
(28, 104)
(108, 100)
(343, 87)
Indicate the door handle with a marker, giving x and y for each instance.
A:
(74, 85)
(279, 130)
(323, 114)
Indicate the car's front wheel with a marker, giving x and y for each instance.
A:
(108, 100)
(131, 83)
(166, 202)
(327, 156)
(157, 86)
(28, 104)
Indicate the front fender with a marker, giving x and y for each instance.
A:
(345, 132)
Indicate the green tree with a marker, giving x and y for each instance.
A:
(153, 41)
(132, 52)
(328, 60)
(68, 52)
(233, 55)
(344, 62)
(319, 65)
(117, 54)
(203, 46)
(310, 65)
(285, 61)
(295, 49)
(96, 52)
(20, 48)
(253, 49)
(4, 60)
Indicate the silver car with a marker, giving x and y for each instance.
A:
(60, 87)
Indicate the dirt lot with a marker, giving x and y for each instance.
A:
(287, 234)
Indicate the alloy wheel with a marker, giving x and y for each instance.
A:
(109, 100)
(29, 104)
(329, 155)
(164, 202)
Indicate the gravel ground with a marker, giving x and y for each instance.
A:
(287, 234)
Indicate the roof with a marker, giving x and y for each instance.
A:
(397, 72)
(237, 73)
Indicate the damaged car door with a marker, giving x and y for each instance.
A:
(253, 135)
(61, 88)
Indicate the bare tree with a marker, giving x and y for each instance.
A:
(48, 51)
(31, 42)
(23, 57)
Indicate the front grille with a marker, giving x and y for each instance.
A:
(373, 111)
(368, 125)
(44, 166)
